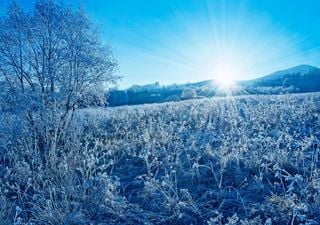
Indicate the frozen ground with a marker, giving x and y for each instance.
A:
(243, 160)
(251, 159)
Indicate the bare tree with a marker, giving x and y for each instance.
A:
(51, 61)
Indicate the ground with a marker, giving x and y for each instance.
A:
(236, 160)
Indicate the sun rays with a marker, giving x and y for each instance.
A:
(217, 42)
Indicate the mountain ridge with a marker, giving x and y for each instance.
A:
(302, 69)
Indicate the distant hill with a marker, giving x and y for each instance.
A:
(298, 79)
(305, 78)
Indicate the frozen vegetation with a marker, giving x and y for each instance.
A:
(242, 160)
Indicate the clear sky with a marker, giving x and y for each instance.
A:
(179, 41)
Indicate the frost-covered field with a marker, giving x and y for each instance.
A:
(242, 160)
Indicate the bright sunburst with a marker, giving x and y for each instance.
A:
(225, 78)
(226, 69)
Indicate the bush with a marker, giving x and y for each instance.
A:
(188, 93)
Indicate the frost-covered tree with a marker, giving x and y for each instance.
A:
(51, 61)
(188, 93)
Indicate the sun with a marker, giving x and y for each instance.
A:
(226, 68)
(225, 77)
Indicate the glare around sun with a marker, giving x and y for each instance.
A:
(225, 74)
(227, 67)
(225, 77)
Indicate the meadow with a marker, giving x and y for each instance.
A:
(223, 160)
(228, 160)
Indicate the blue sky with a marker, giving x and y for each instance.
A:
(179, 41)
